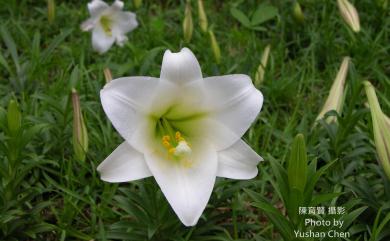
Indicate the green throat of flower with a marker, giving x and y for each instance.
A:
(106, 23)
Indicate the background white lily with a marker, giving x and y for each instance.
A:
(183, 129)
(109, 24)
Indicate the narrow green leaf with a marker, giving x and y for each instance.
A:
(10, 43)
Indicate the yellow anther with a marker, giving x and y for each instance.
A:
(178, 136)
(166, 144)
(166, 138)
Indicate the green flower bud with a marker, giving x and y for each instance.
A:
(107, 75)
(259, 76)
(215, 47)
(349, 14)
(202, 17)
(335, 99)
(51, 10)
(137, 3)
(297, 12)
(188, 26)
(80, 134)
(381, 127)
(297, 165)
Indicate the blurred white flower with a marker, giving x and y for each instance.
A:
(182, 129)
(109, 24)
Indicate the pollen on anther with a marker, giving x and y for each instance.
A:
(178, 136)
(166, 138)
(166, 144)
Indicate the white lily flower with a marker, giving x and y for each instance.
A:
(109, 24)
(182, 129)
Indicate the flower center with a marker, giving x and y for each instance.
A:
(106, 23)
(178, 148)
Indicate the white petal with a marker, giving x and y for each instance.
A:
(181, 67)
(88, 24)
(187, 189)
(129, 103)
(101, 42)
(123, 22)
(238, 162)
(233, 102)
(117, 5)
(123, 165)
(96, 7)
(121, 40)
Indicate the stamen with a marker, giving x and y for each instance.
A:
(177, 147)
(178, 136)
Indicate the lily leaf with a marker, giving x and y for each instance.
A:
(263, 13)
(241, 17)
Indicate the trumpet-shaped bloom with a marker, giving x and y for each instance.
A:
(182, 129)
(109, 24)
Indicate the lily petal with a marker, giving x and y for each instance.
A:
(117, 5)
(238, 162)
(97, 6)
(101, 42)
(222, 107)
(121, 40)
(187, 189)
(128, 103)
(123, 22)
(88, 24)
(181, 67)
(234, 102)
(123, 165)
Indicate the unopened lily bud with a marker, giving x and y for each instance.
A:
(349, 14)
(14, 118)
(297, 12)
(137, 3)
(80, 134)
(215, 47)
(383, 3)
(188, 26)
(387, 121)
(259, 76)
(202, 17)
(51, 10)
(381, 128)
(107, 75)
(335, 99)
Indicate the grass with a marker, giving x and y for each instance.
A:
(47, 194)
